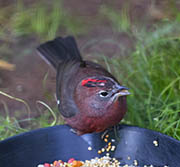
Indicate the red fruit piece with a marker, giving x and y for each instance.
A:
(47, 165)
(71, 160)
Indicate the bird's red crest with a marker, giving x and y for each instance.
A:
(92, 82)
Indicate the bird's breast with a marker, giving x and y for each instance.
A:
(85, 123)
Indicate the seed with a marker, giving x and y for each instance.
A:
(103, 149)
(89, 148)
(104, 161)
(107, 154)
(113, 148)
(128, 157)
(109, 143)
(113, 140)
(135, 162)
(106, 136)
(155, 142)
(114, 159)
(99, 152)
(106, 140)
(107, 149)
(117, 162)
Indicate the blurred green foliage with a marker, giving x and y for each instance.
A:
(44, 20)
(120, 20)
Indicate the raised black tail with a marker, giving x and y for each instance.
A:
(59, 50)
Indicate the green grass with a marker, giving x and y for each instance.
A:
(11, 125)
(41, 20)
(120, 20)
(45, 20)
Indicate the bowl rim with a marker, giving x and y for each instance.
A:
(123, 127)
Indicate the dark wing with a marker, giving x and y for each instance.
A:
(65, 86)
(64, 56)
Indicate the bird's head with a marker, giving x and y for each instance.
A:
(99, 94)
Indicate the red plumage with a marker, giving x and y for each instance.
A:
(89, 98)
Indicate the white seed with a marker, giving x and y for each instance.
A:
(107, 154)
(135, 162)
(128, 157)
(113, 148)
(155, 142)
(89, 148)
(113, 140)
(40, 166)
(103, 149)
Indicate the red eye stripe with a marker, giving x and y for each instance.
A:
(85, 81)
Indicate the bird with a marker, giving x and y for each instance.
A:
(89, 98)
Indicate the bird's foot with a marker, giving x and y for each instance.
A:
(104, 133)
(114, 128)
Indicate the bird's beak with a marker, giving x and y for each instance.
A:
(119, 91)
(122, 91)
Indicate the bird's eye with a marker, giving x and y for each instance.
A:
(103, 93)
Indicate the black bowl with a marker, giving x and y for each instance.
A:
(58, 142)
